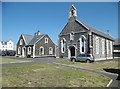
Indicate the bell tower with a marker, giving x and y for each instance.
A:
(73, 12)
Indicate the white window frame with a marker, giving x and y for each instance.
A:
(103, 46)
(46, 40)
(111, 47)
(29, 50)
(42, 50)
(71, 36)
(21, 41)
(50, 50)
(97, 45)
(107, 44)
(19, 50)
(82, 44)
(63, 45)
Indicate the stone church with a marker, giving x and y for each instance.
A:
(79, 38)
(37, 45)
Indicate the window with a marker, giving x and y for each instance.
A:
(97, 45)
(29, 50)
(50, 50)
(41, 51)
(21, 41)
(19, 50)
(46, 40)
(107, 46)
(71, 36)
(63, 45)
(111, 47)
(103, 46)
(82, 44)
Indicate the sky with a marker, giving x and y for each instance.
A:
(51, 17)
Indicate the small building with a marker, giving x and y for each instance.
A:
(116, 52)
(39, 45)
(78, 38)
(6, 45)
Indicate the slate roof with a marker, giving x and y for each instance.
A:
(30, 39)
(95, 31)
(117, 41)
(27, 38)
(3, 43)
(35, 39)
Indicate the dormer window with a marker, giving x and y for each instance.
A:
(21, 41)
(71, 36)
(46, 40)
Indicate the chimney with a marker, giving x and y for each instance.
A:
(35, 34)
(38, 33)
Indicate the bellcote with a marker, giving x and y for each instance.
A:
(73, 12)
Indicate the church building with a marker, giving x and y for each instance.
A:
(78, 38)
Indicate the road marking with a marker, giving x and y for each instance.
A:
(109, 83)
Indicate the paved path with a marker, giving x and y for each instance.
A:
(114, 83)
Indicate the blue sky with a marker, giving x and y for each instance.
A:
(50, 18)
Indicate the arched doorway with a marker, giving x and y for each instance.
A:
(71, 51)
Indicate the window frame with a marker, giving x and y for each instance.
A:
(50, 51)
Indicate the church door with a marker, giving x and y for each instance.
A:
(71, 51)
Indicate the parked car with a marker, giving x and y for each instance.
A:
(4, 53)
(83, 57)
(12, 53)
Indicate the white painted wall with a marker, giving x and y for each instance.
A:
(8, 46)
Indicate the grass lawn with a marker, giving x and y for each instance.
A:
(49, 75)
(8, 60)
(97, 66)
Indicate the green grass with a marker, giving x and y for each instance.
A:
(8, 60)
(49, 75)
(97, 66)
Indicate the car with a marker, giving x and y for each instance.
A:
(12, 53)
(83, 57)
(4, 53)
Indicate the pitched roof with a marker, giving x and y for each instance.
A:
(117, 41)
(3, 43)
(35, 39)
(95, 31)
(27, 38)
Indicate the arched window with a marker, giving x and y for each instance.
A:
(97, 45)
(107, 44)
(41, 50)
(21, 41)
(103, 46)
(111, 47)
(46, 40)
(71, 36)
(82, 44)
(50, 50)
(19, 50)
(29, 50)
(63, 45)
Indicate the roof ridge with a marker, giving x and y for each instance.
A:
(95, 29)
(27, 34)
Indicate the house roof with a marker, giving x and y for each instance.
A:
(117, 41)
(95, 31)
(3, 43)
(27, 38)
(35, 39)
